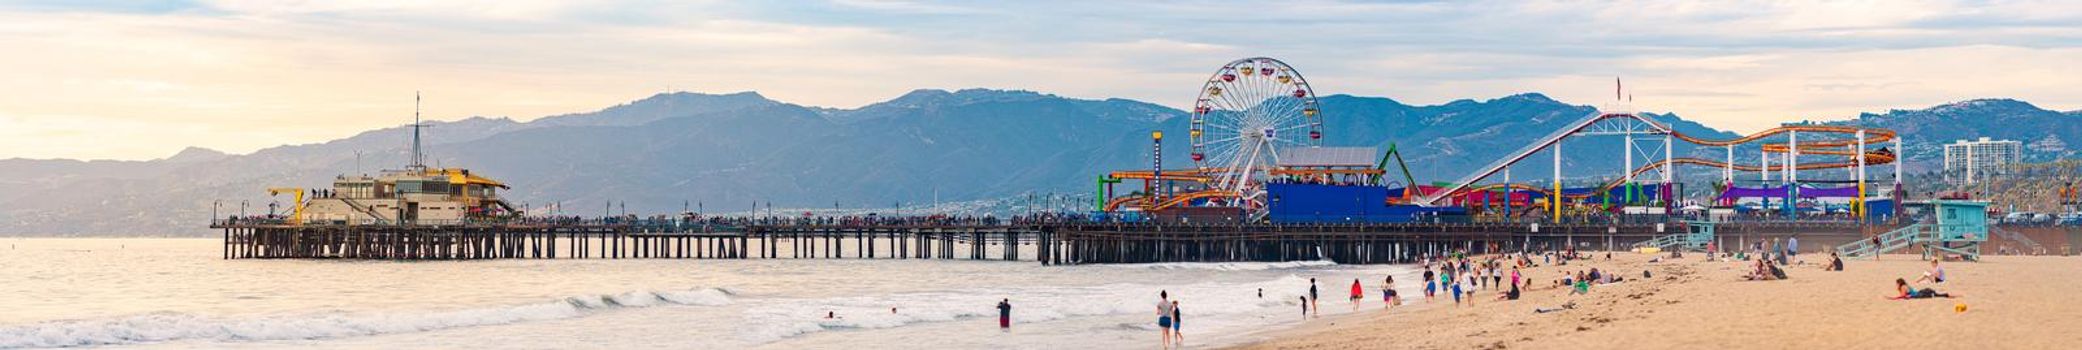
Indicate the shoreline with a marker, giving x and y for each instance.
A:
(2013, 302)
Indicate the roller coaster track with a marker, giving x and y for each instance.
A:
(1827, 147)
(1871, 158)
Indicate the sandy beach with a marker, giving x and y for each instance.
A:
(1690, 303)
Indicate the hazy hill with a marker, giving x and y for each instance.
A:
(731, 150)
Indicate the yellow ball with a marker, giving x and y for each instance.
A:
(1960, 307)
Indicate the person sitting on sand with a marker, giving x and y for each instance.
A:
(1835, 262)
(1760, 271)
(1511, 294)
(1935, 275)
(1905, 292)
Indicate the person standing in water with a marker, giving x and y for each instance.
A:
(1313, 298)
(1005, 314)
(1304, 307)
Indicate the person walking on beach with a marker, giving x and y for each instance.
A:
(1451, 284)
(1792, 247)
(1357, 293)
(1431, 284)
(1005, 314)
(1164, 316)
(1514, 276)
(1388, 292)
(1496, 277)
(1178, 324)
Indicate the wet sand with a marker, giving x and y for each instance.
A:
(2013, 303)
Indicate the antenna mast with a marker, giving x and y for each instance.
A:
(418, 157)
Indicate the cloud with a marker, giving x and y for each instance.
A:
(240, 75)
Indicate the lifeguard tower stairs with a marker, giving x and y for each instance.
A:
(1943, 227)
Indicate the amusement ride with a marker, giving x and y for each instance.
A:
(1247, 113)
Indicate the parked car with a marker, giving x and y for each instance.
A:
(2042, 218)
(2021, 217)
(2071, 219)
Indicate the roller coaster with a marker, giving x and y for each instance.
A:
(1849, 137)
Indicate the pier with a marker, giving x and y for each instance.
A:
(1055, 243)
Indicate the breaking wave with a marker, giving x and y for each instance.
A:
(171, 326)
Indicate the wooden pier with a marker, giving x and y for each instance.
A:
(1049, 244)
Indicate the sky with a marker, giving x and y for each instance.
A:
(136, 80)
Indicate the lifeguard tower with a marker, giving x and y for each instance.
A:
(1698, 233)
(1941, 227)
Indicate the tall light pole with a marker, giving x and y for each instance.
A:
(1156, 158)
(1554, 201)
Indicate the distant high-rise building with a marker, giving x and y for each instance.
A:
(1969, 161)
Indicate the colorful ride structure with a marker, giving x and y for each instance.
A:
(1247, 113)
(1257, 136)
(1652, 186)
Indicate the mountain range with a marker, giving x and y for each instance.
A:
(726, 152)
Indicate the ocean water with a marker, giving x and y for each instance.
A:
(178, 293)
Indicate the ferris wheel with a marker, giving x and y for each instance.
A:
(1247, 111)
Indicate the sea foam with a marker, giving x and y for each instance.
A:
(769, 320)
(160, 327)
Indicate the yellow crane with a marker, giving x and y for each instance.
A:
(296, 212)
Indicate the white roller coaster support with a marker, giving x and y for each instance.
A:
(1900, 156)
(1628, 148)
(1793, 158)
(1861, 174)
(1669, 172)
(1764, 160)
(1728, 171)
